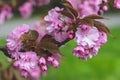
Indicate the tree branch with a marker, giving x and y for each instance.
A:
(4, 50)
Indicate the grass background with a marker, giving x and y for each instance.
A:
(104, 66)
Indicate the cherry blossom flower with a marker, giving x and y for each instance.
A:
(28, 65)
(89, 40)
(13, 43)
(86, 36)
(86, 7)
(5, 13)
(25, 10)
(117, 4)
(54, 60)
(39, 2)
(83, 52)
(55, 24)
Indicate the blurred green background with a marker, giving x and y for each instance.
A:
(104, 66)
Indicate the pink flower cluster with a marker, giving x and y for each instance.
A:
(32, 55)
(57, 24)
(29, 63)
(89, 40)
(32, 66)
(5, 13)
(117, 4)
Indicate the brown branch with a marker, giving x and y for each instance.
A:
(4, 50)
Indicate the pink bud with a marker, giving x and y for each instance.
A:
(44, 68)
(42, 61)
(50, 59)
(24, 74)
(105, 8)
(35, 73)
(55, 63)
(70, 36)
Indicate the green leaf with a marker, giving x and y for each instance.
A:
(49, 44)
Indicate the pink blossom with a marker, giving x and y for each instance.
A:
(8, 11)
(83, 52)
(61, 34)
(105, 8)
(35, 73)
(53, 19)
(89, 40)
(27, 61)
(102, 39)
(54, 60)
(28, 66)
(2, 17)
(13, 42)
(86, 36)
(39, 2)
(5, 13)
(25, 10)
(24, 73)
(86, 7)
(117, 4)
(42, 63)
(55, 25)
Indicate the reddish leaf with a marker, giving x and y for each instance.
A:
(101, 27)
(33, 34)
(94, 16)
(70, 9)
(86, 21)
(66, 3)
(49, 44)
(65, 13)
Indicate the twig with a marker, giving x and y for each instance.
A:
(4, 50)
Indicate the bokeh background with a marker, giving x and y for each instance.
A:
(104, 66)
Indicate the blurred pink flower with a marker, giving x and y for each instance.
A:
(53, 60)
(2, 17)
(117, 4)
(25, 10)
(86, 7)
(39, 2)
(5, 13)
